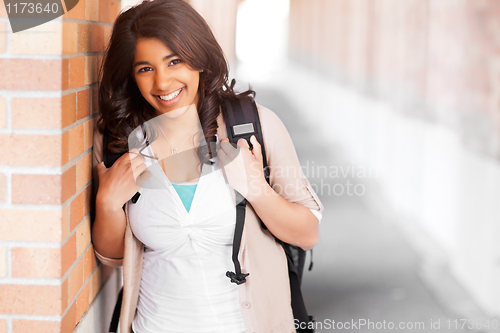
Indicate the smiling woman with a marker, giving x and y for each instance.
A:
(164, 83)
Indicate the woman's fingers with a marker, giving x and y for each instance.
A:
(137, 160)
(257, 151)
(242, 143)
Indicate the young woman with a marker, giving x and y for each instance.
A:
(164, 72)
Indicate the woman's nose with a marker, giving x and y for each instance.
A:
(163, 79)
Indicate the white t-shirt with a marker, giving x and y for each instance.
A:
(184, 287)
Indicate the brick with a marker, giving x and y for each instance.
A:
(31, 149)
(90, 69)
(70, 38)
(36, 113)
(3, 36)
(83, 171)
(76, 141)
(107, 34)
(75, 281)
(84, 37)
(38, 326)
(65, 148)
(36, 189)
(43, 189)
(68, 183)
(35, 262)
(68, 322)
(42, 39)
(114, 10)
(65, 222)
(3, 188)
(89, 262)
(68, 254)
(83, 104)
(3, 113)
(82, 237)
(88, 133)
(64, 294)
(82, 302)
(3, 261)
(65, 74)
(77, 210)
(30, 300)
(68, 109)
(95, 283)
(3, 326)
(36, 74)
(97, 32)
(92, 10)
(104, 7)
(26, 225)
(76, 72)
(88, 199)
(78, 12)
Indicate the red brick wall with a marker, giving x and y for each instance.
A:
(48, 101)
(435, 59)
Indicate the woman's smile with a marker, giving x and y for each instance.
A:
(172, 98)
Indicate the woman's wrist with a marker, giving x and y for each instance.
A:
(104, 204)
(257, 190)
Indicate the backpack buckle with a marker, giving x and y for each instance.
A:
(237, 278)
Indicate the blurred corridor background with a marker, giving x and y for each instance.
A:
(393, 107)
(394, 110)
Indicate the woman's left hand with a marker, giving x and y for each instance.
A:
(242, 166)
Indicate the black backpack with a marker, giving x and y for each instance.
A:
(242, 121)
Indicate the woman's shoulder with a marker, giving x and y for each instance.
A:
(273, 129)
(267, 116)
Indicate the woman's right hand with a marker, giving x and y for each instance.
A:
(122, 180)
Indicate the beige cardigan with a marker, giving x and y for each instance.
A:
(265, 297)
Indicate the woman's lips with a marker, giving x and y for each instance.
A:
(173, 100)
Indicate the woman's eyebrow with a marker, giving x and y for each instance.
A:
(139, 63)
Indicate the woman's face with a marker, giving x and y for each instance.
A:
(164, 80)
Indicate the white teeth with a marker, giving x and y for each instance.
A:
(170, 96)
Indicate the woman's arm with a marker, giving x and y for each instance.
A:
(113, 187)
(288, 221)
(108, 230)
(286, 206)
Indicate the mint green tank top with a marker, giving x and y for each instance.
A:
(186, 192)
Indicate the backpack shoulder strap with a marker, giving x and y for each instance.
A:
(242, 121)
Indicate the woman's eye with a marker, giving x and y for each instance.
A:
(144, 69)
(175, 62)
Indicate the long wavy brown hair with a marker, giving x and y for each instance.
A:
(122, 108)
